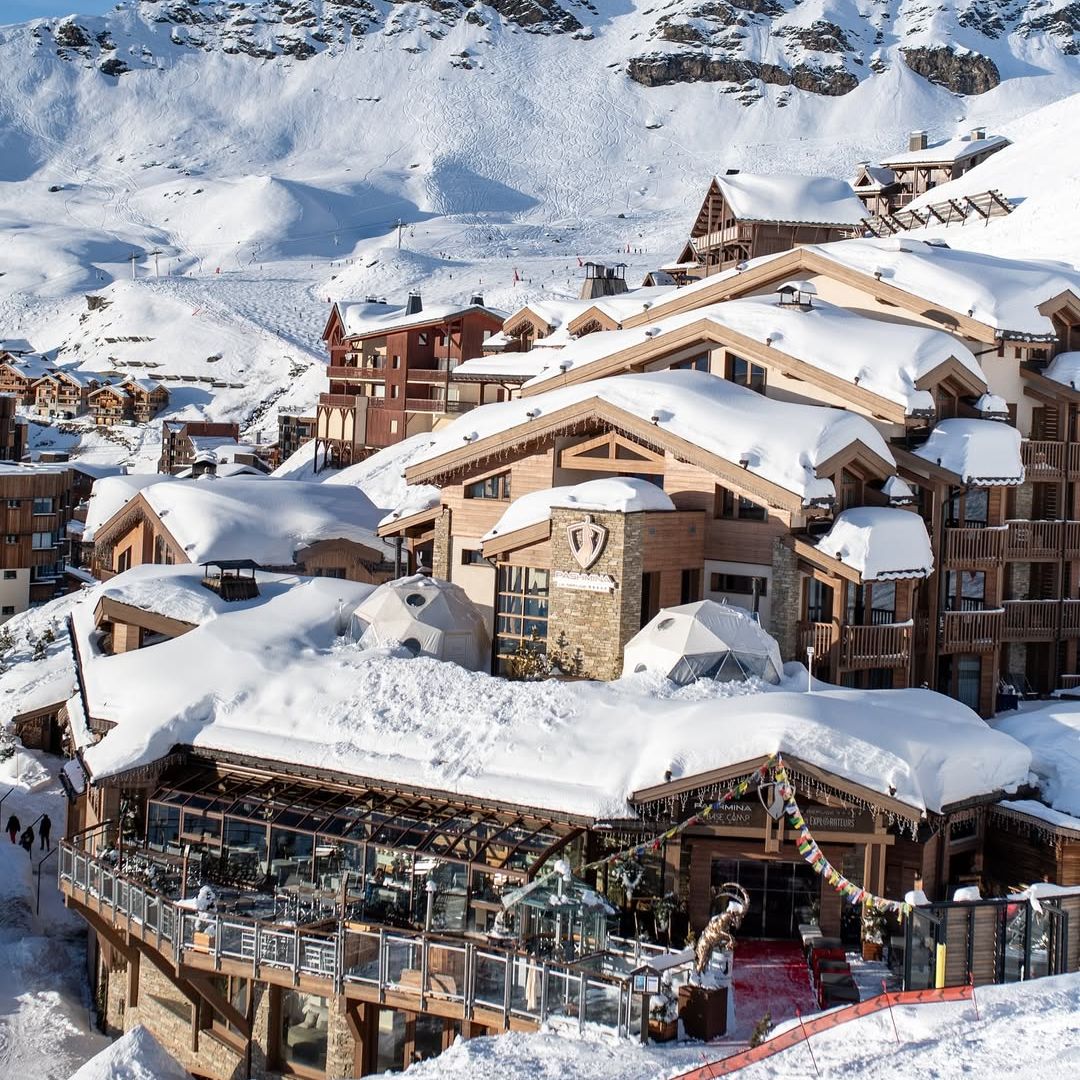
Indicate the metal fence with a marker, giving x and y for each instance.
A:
(471, 974)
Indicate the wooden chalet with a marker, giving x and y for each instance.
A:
(177, 449)
(63, 393)
(19, 373)
(108, 405)
(390, 371)
(746, 215)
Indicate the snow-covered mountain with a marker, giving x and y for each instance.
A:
(267, 150)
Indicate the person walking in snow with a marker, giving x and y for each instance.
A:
(45, 832)
(26, 841)
(13, 827)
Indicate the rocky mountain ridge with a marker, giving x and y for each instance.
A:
(825, 47)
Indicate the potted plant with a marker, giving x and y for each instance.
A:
(873, 933)
(664, 1015)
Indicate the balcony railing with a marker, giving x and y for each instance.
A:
(366, 370)
(469, 978)
(1073, 458)
(1070, 618)
(1034, 539)
(1043, 459)
(819, 637)
(971, 631)
(438, 405)
(1031, 620)
(975, 548)
(887, 645)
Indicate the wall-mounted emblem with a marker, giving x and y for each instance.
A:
(587, 540)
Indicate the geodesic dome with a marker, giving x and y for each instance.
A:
(705, 640)
(429, 617)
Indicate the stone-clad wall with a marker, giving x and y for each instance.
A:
(786, 600)
(599, 623)
(441, 555)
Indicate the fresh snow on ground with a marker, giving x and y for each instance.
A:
(134, 1056)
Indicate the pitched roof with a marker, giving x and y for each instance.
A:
(948, 152)
(791, 198)
(368, 318)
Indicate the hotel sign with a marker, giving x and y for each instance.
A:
(569, 579)
(586, 539)
(819, 819)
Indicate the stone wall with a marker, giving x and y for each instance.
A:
(598, 622)
(784, 610)
(441, 557)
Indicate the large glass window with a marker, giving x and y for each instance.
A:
(965, 590)
(290, 857)
(968, 673)
(743, 372)
(521, 611)
(245, 849)
(304, 1019)
(491, 487)
(162, 825)
(198, 826)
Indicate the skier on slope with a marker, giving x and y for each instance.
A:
(13, 827)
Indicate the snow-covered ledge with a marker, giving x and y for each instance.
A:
(882, 543)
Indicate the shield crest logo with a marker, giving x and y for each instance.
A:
(586, 540)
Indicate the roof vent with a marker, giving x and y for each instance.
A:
(978, 134)
(917, 140)
(414, 305)
(477, 300)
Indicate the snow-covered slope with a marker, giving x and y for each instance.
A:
(268, 149)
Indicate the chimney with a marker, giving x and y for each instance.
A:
(917, 141)
(978, 134)
(477, 300)
(414, 305)
(731, 172)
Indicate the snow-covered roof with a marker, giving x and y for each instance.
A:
(1034, 808)
(366, 319)
(623, 305)
(990, 405)
(622, 494)
(263, 519)
(978, 451)
(886, 358)
(952, 150)
(32, 367)
(511, 366)
(147, 386)
(270, 677)
(1065, 369)
(1005, 294)
(878, 177)
(1051, 731)
(780, 441)
(110, 493)
(791, 198)
(880, 542)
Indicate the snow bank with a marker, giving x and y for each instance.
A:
(880, 542)
(271, 677)
(978, 451)
(791, 199)
(620, 494)
(134, 1056)
(1051, 731)
(777, 440)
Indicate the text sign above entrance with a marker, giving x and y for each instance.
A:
(569, 579)
(823, 819)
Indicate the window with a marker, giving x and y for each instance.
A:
(123, 561)
(7, 609)
(14, 504)
(521, 611)
(473, 557)
(739, 584)
(851, 490)
(394, 391)
(10, 575)
(969, 509)
(330, 572)
(690, 587)
(696, 363)
(396, 362)
(744, 373)
(819, 597)
(41, 541)
(965, 590)
(491, 487)
(729, 505)
(304, 1023)
(422, 337)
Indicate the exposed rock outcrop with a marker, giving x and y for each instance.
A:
(960, 72)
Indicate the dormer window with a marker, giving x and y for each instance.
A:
(491, 487)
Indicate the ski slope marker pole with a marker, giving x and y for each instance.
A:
(974, 1000)
(806, 1039)
(888, 1001)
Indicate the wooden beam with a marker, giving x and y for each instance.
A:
(209, 993)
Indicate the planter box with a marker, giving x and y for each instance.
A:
(663, 1030)
(871, 950)
(703, 1012)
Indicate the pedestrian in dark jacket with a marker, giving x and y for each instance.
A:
(26, 841)
(13, 827)
(45, 832)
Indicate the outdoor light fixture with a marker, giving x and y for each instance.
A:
(809, 669)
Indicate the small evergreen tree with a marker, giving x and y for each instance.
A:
(761, 1030)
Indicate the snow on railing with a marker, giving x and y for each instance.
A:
(471, 974)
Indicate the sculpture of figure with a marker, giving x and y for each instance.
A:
(719, 933)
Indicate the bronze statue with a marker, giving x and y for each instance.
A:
(719, 933)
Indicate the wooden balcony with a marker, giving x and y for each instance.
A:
(971, 631)
(885, 646)
(819, 637)
(358, 372)
(1073, 460)
(1034, 540)
(1043, 459)
(1070, 619)
(1031, 620)
(977, 549)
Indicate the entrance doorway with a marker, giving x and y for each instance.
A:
(782, 894)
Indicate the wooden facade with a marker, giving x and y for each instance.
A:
(385, 386)
(177, 450)
(13, 442)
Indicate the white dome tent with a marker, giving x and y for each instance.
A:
(429, 617)
(705, 640)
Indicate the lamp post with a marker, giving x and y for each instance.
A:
(809, 669)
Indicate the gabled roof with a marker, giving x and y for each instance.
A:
(947, 153)
(776, 445)
(369, 319)
(119, 390)
(978, 452)
(785, 198)
(873, 178)
(29, 367)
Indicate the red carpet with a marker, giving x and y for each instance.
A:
(770, 977)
